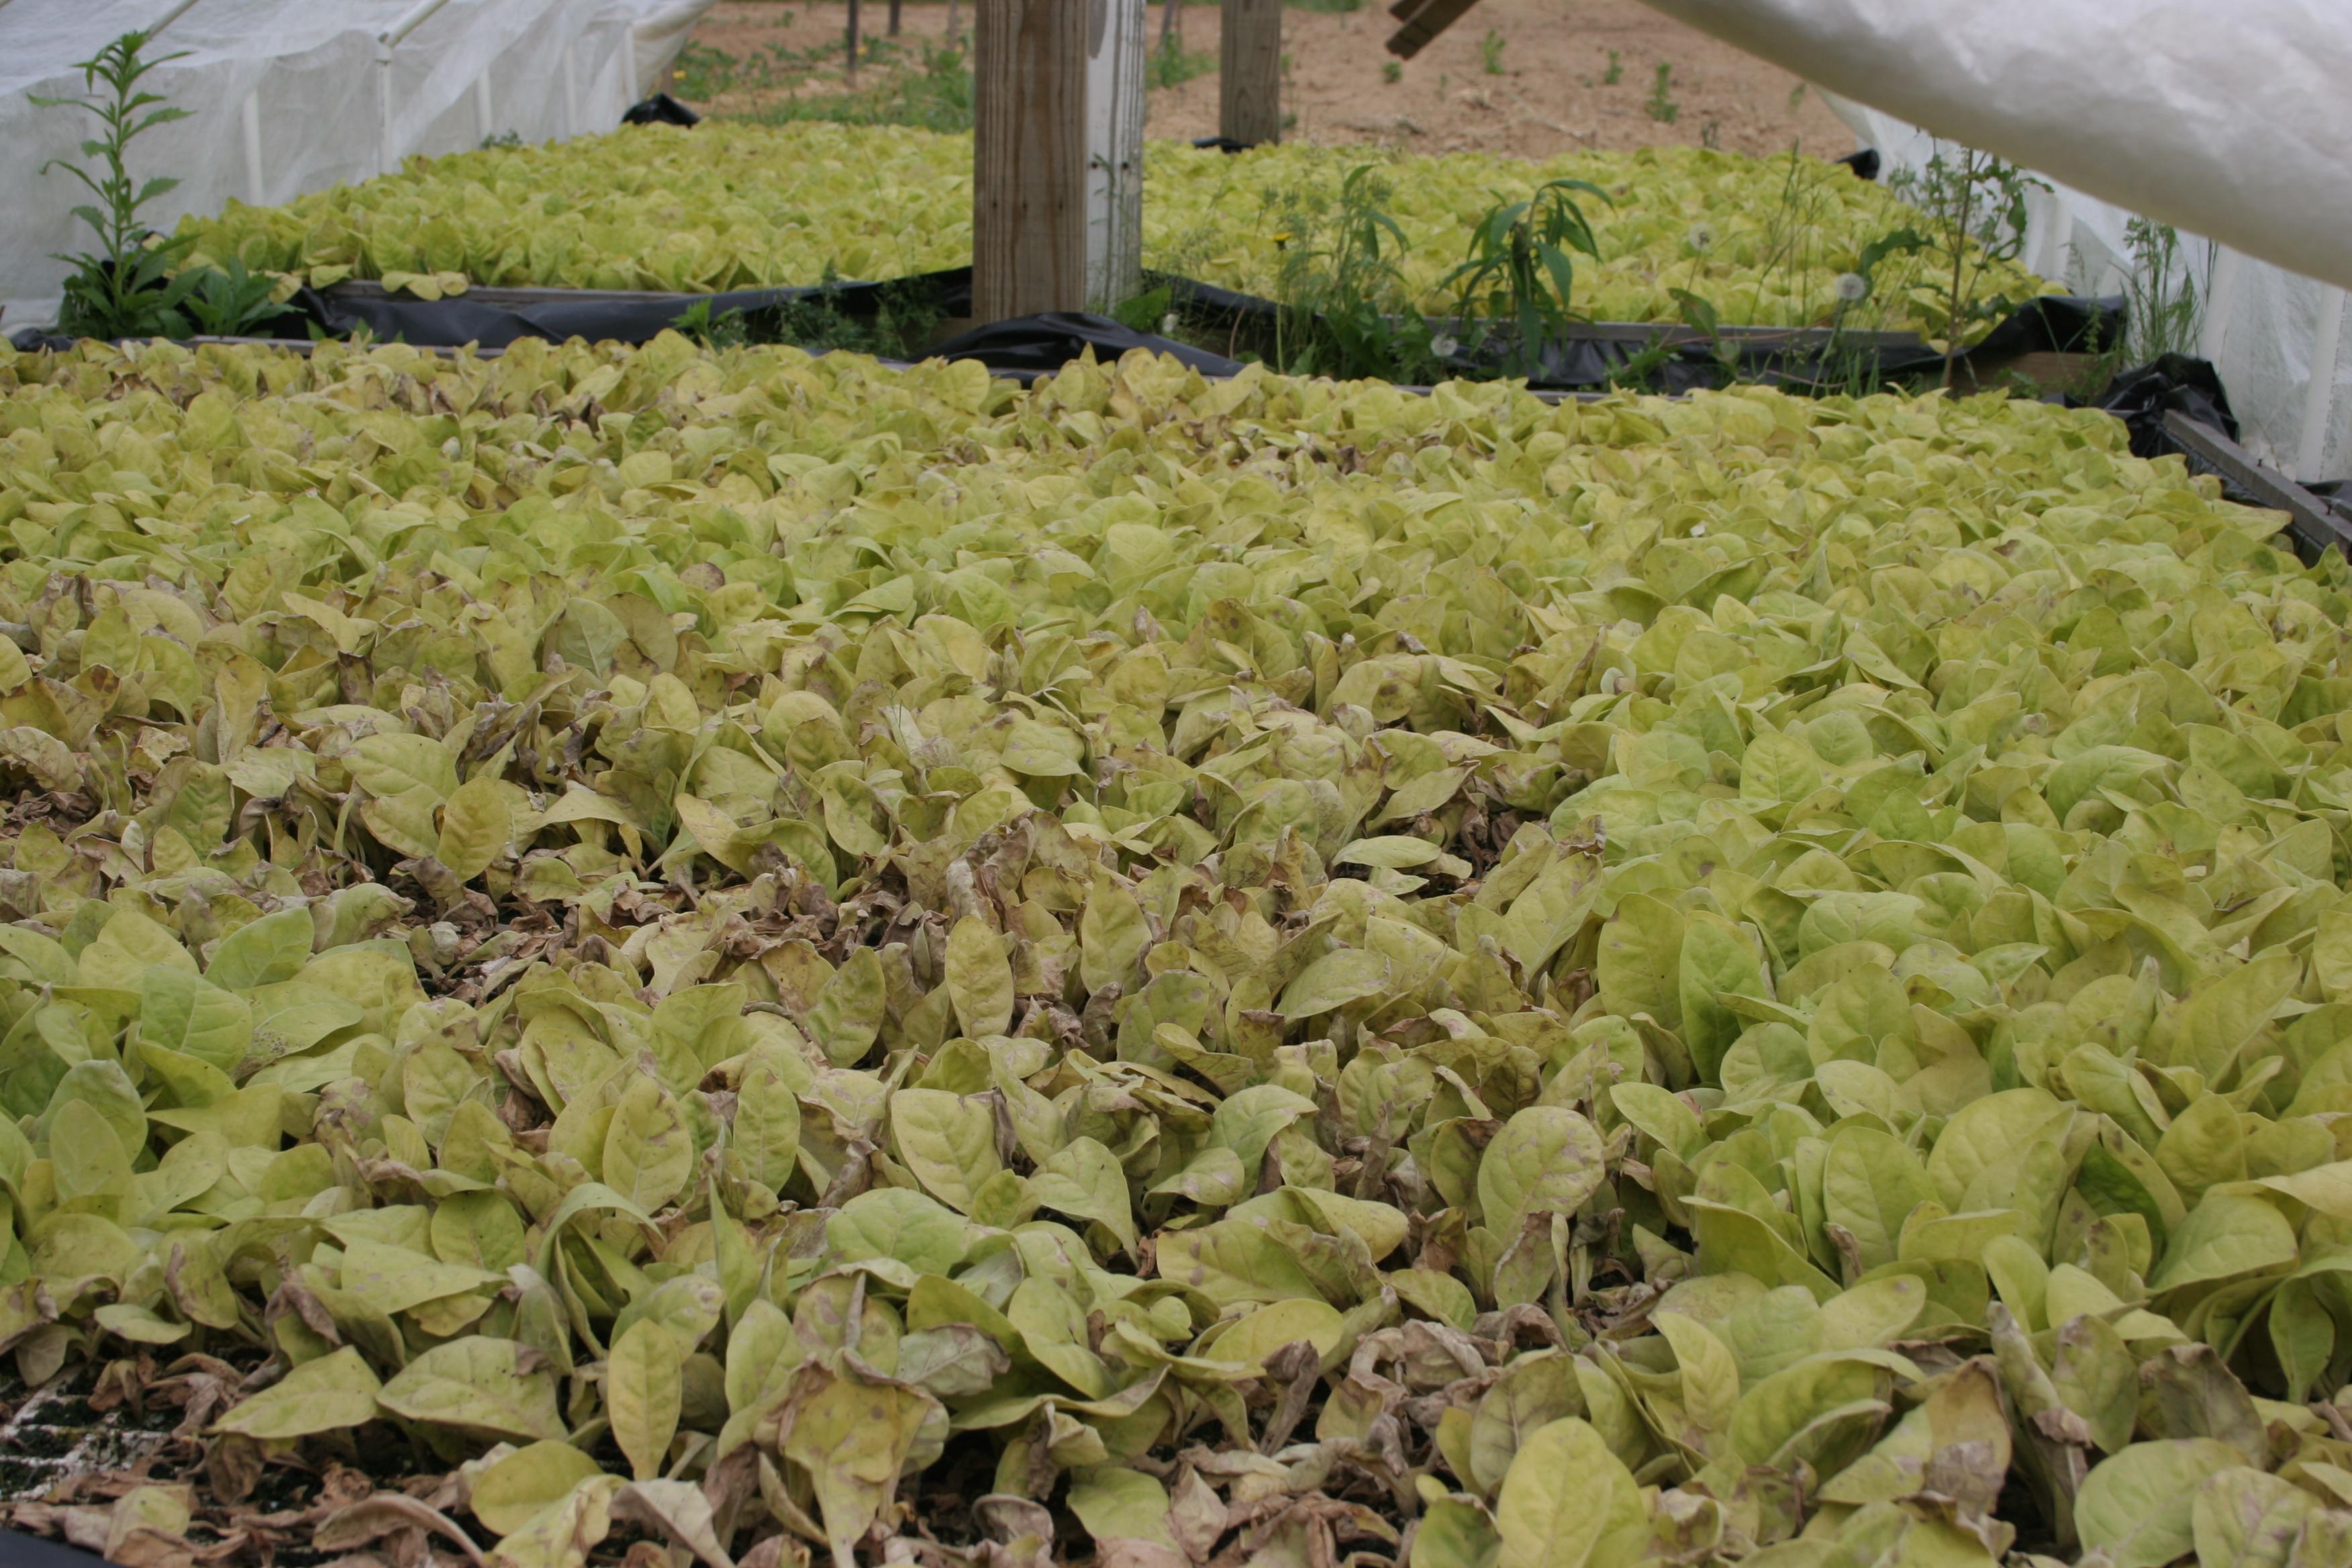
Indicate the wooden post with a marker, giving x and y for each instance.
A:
(1029, 158)
(894, 18)
(955, 23)
(1249, 86)
(1115, 89)
(1172, 24)
(1422, 20)
(852, 53)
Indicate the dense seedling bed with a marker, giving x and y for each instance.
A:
(821, 964)
(1763, 241)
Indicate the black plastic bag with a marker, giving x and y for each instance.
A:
(2172, 383)
(661, 109)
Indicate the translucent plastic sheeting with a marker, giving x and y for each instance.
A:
(2229, 120)
(2263, 326)
(290, 95)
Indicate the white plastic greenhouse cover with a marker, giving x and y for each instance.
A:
(2229, 121)
(292, 95)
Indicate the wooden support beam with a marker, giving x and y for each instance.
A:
(1422, 20)
(894, 18)
(1115, 91)
(2314, 524)
(1249, 82)
(1029, 158)
(850, 53)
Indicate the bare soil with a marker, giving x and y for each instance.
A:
(1552, 94)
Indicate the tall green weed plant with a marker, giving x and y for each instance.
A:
(131, 285)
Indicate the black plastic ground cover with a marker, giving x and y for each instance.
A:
(1032, 346)
(1798, 358)
(18, 1550)
(1027, 346)
(1583, 361)
(1588, 359)
(494, 317)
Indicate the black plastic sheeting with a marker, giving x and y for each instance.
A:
(2174, 383)
(661, 109)
(1586, 362)
(18, 1550)
(1041, 345)
(632, 319)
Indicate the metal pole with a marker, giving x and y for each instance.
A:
(249, 112)
(570, 94)
(170, 16)
(2319, 396)
(387, 147)
(2220, 298)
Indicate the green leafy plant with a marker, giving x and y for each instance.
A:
(936, 95)
(702, 72)
(1346, 308)
(1490, 52)
(1615, 72)
(904, 319)
(124, 288)
(1391, 71)
(227, 300)
(1147, 311)
(1639, 371)
(726, 329)
(1660, 105)
(780, 941)
(134, 285)
(1521, 272)
(1974, 205)
(2161, 300)
(1173, 65)
(730, 205)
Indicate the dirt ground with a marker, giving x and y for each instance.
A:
(1551, 95)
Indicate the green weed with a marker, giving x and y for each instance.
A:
(1660, 106)
(1173, 65)
(132, 285)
